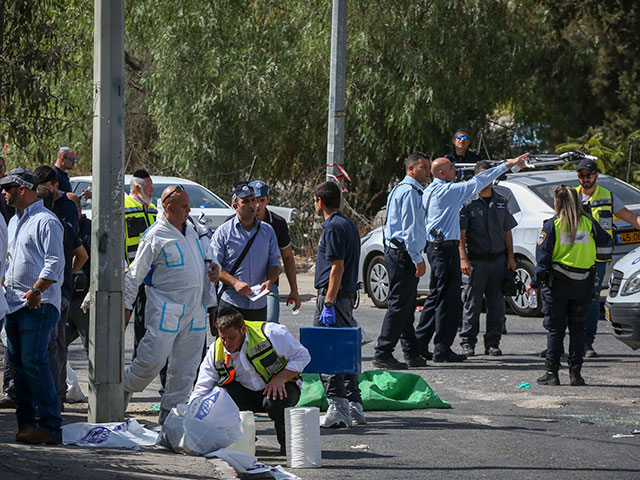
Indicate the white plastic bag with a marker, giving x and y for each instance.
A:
(129, 434)
(74, 392)
(207, 424)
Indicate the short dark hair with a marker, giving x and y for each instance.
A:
(329, 193)
(45, 174)
(46, 195)
(141, 174)
(482, 165)
(230, 320)
(413, 159)
(462, 130)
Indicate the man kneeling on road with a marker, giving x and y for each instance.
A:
(258, 364)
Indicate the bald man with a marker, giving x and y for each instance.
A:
(443, 307)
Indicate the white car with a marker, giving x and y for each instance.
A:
(622, 307)
(530, 200)
(206, 206)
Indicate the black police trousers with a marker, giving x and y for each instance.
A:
(565, 304)
(443, 307)
(401, 305)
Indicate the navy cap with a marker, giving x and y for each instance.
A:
(241, 190)
(21, 176)
(587, 164)
(260, 188)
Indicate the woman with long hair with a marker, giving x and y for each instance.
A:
(568, 246)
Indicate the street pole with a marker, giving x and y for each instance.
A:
(106, 332)
(337, 89)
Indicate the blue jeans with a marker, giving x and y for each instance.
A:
(273, 305)
(591, 322)
(28, 334)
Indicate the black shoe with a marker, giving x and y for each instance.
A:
(416, 361)
(6, 401)
(468, 350)
(551, 375)
(575, 378)
(449, 357)
(427, 355)
(543, 353)
(589, 352)
(493, 351)
(388, 363)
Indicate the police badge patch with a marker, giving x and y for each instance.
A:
(541, 237)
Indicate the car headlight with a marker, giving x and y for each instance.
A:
(632, 285)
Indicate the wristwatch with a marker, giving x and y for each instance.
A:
(35, 291)
(328, 304)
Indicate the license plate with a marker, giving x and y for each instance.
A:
(629, 237)
(607, 314)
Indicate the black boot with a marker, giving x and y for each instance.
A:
(551, 375)
(574, 375)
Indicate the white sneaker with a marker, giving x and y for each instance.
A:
(337, 415)
(357, 414)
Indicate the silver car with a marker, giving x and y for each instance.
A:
(530, 200)
(205, 205)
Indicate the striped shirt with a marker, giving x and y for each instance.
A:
(35, 251)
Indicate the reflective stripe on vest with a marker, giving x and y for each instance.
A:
(260, 353)
(134, 212)
(578, 256)
(601, 205)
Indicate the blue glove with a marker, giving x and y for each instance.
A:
(328, 316)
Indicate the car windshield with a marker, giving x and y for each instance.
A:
(627, 194)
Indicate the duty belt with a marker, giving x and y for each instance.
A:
(488, 256)
(341, 294)
(444, 243)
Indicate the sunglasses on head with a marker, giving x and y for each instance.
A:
(462, 137)
(177, 189)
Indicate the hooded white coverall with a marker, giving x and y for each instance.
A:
(175, 314)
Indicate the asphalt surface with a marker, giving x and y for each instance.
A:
(493, 429)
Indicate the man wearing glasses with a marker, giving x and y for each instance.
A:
(461, 141)
(33, 279)
(602, 205)
(177, 297)
(65, 161)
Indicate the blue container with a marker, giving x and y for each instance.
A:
(333, 350)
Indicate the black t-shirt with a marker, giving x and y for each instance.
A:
(70, 243)
(66, 211)
(279, 225)
(340, 240)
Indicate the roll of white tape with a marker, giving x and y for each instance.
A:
(302, 427)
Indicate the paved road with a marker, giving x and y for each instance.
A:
(493, 430)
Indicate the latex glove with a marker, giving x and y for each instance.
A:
(328, 316)
(86, 303)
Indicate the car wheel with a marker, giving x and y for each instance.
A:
(377, 279)
(519, 303)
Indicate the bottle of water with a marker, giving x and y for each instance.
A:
(292, 306)
(533, 299)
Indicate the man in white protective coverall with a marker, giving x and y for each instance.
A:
(177, 299)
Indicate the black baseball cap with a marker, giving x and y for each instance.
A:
(587, 164)
(21, 176)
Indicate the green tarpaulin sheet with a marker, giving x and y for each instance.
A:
(381, 390)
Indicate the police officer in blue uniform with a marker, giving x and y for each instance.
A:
(486, 251)
(568, 246)
(404, 241)
(443, 307)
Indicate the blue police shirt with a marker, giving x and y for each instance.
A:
(444, 200)
(405, 218)
(63, 179)
(340, 240)
(226, 246)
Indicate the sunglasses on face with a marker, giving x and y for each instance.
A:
(462, 137)
(177, 189)
(586, 176)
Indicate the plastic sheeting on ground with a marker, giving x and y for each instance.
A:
(245, 465)
(381, 390)
(129, 434)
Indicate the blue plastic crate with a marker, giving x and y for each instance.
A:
(333, 350)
